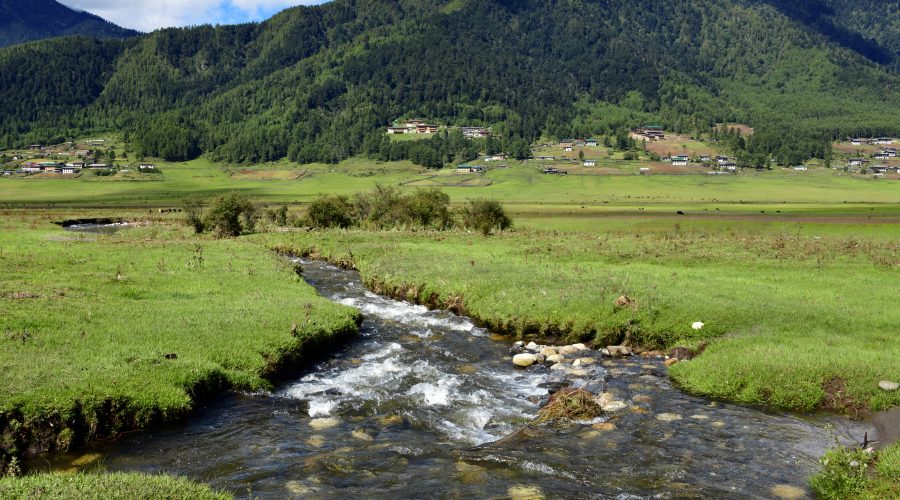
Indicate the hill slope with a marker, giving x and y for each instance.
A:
(317, 83)
(28, 20)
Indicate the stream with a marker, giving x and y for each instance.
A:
(424, 404)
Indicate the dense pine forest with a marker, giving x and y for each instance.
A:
(320, 83)
(27, 20)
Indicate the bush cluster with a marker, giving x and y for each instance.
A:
(387, 207)
(231, 214)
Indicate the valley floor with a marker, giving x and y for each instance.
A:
(104, 333)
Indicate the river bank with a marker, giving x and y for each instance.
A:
(426, 400)
(139, 327)
(775, 307)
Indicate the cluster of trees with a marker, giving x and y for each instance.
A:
(386, 207)
(320, 84)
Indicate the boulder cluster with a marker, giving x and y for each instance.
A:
(570, 356)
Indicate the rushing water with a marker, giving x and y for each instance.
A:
(426, 405)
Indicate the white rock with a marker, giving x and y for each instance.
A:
(698, 325)
(578, 373)
(887, 385)
(556, 358)
(587, 361)
(580, 347)
(604, 351)
(559, 367)
(519, 344)
(524, 359)
(533, 347)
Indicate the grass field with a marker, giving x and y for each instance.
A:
(102, 334)
(520, 183)
(107, 486)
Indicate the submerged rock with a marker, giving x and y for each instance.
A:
(668, 417)
(321, 424)
(362, 435)
(524, 360)
(524, 492)
(788, 492)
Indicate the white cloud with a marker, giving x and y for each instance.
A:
(148, 15)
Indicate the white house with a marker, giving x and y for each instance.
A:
(590, 163)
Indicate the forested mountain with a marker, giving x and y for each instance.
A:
(27, 20)
(319, 83)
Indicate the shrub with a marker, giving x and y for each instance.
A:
(281, 216)
(427, 208)
(330, 211)
(379, 208)
(844, 473)
(485, 216)
(193, 212)
(231, 215)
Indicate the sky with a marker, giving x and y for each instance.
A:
(148, 15)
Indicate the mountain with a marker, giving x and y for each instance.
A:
(28, 20)
(320, 83)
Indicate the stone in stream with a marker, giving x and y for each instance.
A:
(524, 492)
(609, 403)
(470, 474)
(580, 347)
(617, 351)
(604, 427)
(640, 398)
(585, 361)
(549, 351)
(86, 459)
(524, 360)
(788, 492)
(316, 441)
(555, 358)
(887, 385)
(671, 361)
(320, 424)
(668, 417)
(578, 373)
(568, 350)
(299, 489)
(362, 435)
(532, 347)
(559, 367)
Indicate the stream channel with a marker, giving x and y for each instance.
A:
(424, 404)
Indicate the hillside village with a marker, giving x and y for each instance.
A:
(646, 150)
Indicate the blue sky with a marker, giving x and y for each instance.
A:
(148, 15)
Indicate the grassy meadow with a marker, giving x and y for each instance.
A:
(106, 333)
(520, 183)
(107, 486)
